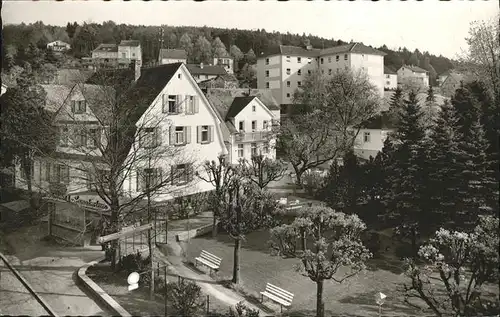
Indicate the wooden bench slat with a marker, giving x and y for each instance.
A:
(215, 260)
(210, 256)
(274, 288)
(207, 263)
(276, 299)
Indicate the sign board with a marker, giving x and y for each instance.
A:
(88, 202)
(124, 233)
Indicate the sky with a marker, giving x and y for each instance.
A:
(431, 25)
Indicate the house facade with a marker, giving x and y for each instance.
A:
(179, 118)
(58, 46)
(113, 55)
(228, 81)
(203, 72)
(409, 74)
(284, 71)
(451, 83)
(372, 135)
(227, 62)
(390, 79)
(171, 56)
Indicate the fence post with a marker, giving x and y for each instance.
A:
(208, 304)
(157, 269)
(155, 232)
(165, 273)
(166, 227)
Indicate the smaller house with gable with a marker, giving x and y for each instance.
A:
(409, 74)
(248, 116)
(203, 72)
(170, 56)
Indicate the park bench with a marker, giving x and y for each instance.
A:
(278, 295)
(208, 259)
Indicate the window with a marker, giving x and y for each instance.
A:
(78, 106)
(266, 148)
(288, 95)
(241, 152)
(366, 137)
(288, 71)
(346, 68)
(267, 73)
(267, 85)
(299, 72)
(322, 71)
(387, 82)
(267, 61)
(241, 126)
(345, 57)
(179, 135)
(148, 178)
(253, 149)
(299, 60)
(204, 134)
(63, 137)
(32, 171)
(329, 72)
(54, 173)
(181, 174)
(254, 125)
(337, 58)
(299, 84)
(170, 104)
(329, 59)
(265, 124)
(288, 58)
(288, 84)
(149, 138)
(387, 76)
(123, 55)
(63, 172)
(322, 60)
(254, 108)
(95, 138)
(179, 76)
(309, 60)
(309, 72)
(80, 138)
(133, 54)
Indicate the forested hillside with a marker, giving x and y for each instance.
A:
(200, 42)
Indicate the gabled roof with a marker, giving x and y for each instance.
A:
(68, 76)
(222, 99)
(130, 43)
(173, 53)
(225, 77)
(59, 42)
(238, 104)
(195, 69)
(388, 70)
(416, 69)
(224, 55)
(455, 76)
(56, 95)
(298, 51)
(356, 48)
(106, 48)
(381, 120)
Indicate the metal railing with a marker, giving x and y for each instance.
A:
(252, 136)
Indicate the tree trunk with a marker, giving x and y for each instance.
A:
(214, 225)
(414, 242)
(303, 239)
(236, 261)
(113, 228)
(319, 299)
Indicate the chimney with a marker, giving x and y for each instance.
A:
(201, 65)
(136, 67)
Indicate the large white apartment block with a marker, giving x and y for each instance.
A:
(285, 71)
(409, 74)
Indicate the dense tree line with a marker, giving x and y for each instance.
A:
(85, 37)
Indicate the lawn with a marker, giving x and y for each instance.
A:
(136, 302)
(354, 297)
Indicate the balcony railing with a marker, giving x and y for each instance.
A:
(252, 136)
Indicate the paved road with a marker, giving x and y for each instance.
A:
(15, 299)
(51, 271)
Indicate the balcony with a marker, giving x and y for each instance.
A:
(252, 136)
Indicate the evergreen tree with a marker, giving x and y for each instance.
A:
(406, 199)
(429, 109)
(478, 190)
(396, 103)
(250, 57)
(218, 48)
(466, 107)
(443, 165)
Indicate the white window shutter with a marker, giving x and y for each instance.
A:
(187, 131)
(164, 103)
(73, 106)
(198, 134)
(196, 104)
(172, 135)
(211, 133)
(178, 103)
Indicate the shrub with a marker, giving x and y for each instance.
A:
(372, 241)
(134, 263)
(313, 182)
(185, 298)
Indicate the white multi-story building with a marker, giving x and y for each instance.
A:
(170, 56)
(112, 55)
(409, 74)
(390, 79)
(249, 116)
(285, 70)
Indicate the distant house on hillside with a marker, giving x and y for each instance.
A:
(451, 83)
(225, 61)
(391, 78)
(409, 74)
(227, 81)
(58, 46)
(170, 56)
(113, 55)
(203, 72)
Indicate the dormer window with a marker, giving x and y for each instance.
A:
(78, 106)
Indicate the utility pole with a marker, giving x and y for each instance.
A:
(148, 189)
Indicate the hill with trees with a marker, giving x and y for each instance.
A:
(201, 43)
